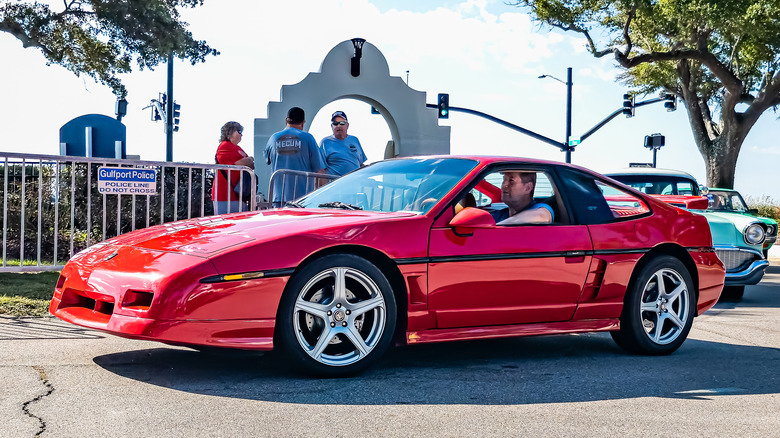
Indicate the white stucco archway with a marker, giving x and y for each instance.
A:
(414, 128)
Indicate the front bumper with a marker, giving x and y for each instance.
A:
(743, 266)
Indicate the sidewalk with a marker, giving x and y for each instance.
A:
(774, 254)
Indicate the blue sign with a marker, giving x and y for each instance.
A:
(127, 181)
(94, 135)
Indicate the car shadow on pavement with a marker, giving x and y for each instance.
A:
(551, 369)
(764, 294)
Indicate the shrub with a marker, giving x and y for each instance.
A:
(766, 206)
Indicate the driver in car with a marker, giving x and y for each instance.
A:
(517, 192)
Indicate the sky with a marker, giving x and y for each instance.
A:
(485, 54)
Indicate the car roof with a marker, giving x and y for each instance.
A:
(487, 159)
(650, 171)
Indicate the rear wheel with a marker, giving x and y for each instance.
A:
(337, 316)
(732, 293)
(658, 309)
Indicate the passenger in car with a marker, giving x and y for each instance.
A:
(517, 192)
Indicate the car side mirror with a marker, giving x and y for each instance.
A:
(753, 211)
(467, 220)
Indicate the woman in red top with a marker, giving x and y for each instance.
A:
(226, 200)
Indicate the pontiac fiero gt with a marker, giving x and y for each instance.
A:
(405, 251)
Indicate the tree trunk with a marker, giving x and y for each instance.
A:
(720, 158)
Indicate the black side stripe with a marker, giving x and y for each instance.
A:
(278, 272)
(528, 255)
(412, 260)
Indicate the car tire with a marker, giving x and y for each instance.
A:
(658, 308)
(337, 316)
(732, 293)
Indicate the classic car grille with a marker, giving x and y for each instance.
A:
(735, 260)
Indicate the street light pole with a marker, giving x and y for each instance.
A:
(568, 114)
(169, 112)
(566, 146)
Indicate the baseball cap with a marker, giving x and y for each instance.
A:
(339, 114)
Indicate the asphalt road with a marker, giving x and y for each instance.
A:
(65, 381)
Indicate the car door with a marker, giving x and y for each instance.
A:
(508, 274)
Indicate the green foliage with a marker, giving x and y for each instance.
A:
(766, 206)
(26, 294)
(21, 306)
(100, 38)
(743, 34)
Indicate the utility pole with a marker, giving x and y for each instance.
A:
(569, 147)
(169, 113)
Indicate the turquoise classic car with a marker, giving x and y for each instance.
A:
(728, 200)
(738, 238)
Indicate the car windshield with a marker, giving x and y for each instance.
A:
(726, 201)
(412, 185)
(660, 184)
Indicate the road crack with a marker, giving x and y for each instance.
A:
(26, 406)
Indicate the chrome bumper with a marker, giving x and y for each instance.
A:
(743, 265)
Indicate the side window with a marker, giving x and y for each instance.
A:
(622, 204)
(488, 192)
(596, 202)
(685, 188)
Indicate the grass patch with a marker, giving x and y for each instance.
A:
(27, 262)
(27, 293)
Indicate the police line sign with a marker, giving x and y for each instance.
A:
(127, 181)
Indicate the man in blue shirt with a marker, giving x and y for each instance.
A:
(342, 152)
(517, 192)
(293, 149)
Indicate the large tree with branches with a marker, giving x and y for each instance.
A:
(100, 38)
(720, 57)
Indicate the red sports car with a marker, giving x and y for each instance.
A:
(405, 251)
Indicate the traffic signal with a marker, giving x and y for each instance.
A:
(654, 141)
(671, 102)
(628, 105)
(176, 114)
(444, 106)
(156, 114)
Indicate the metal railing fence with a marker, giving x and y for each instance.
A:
(293, 184)
(52, 207)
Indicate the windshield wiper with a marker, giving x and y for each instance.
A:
(338, 204)
(293, 204)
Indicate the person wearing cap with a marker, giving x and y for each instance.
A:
(293, 149)
(342, 152)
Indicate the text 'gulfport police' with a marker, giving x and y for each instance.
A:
(118, 181)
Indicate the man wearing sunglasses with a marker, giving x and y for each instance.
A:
(342, 152)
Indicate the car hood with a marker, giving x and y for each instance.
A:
(207, 236)
(727, 228)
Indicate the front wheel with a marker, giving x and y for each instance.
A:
(658, 309)
(336, 316)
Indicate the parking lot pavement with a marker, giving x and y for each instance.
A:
(73, 382)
